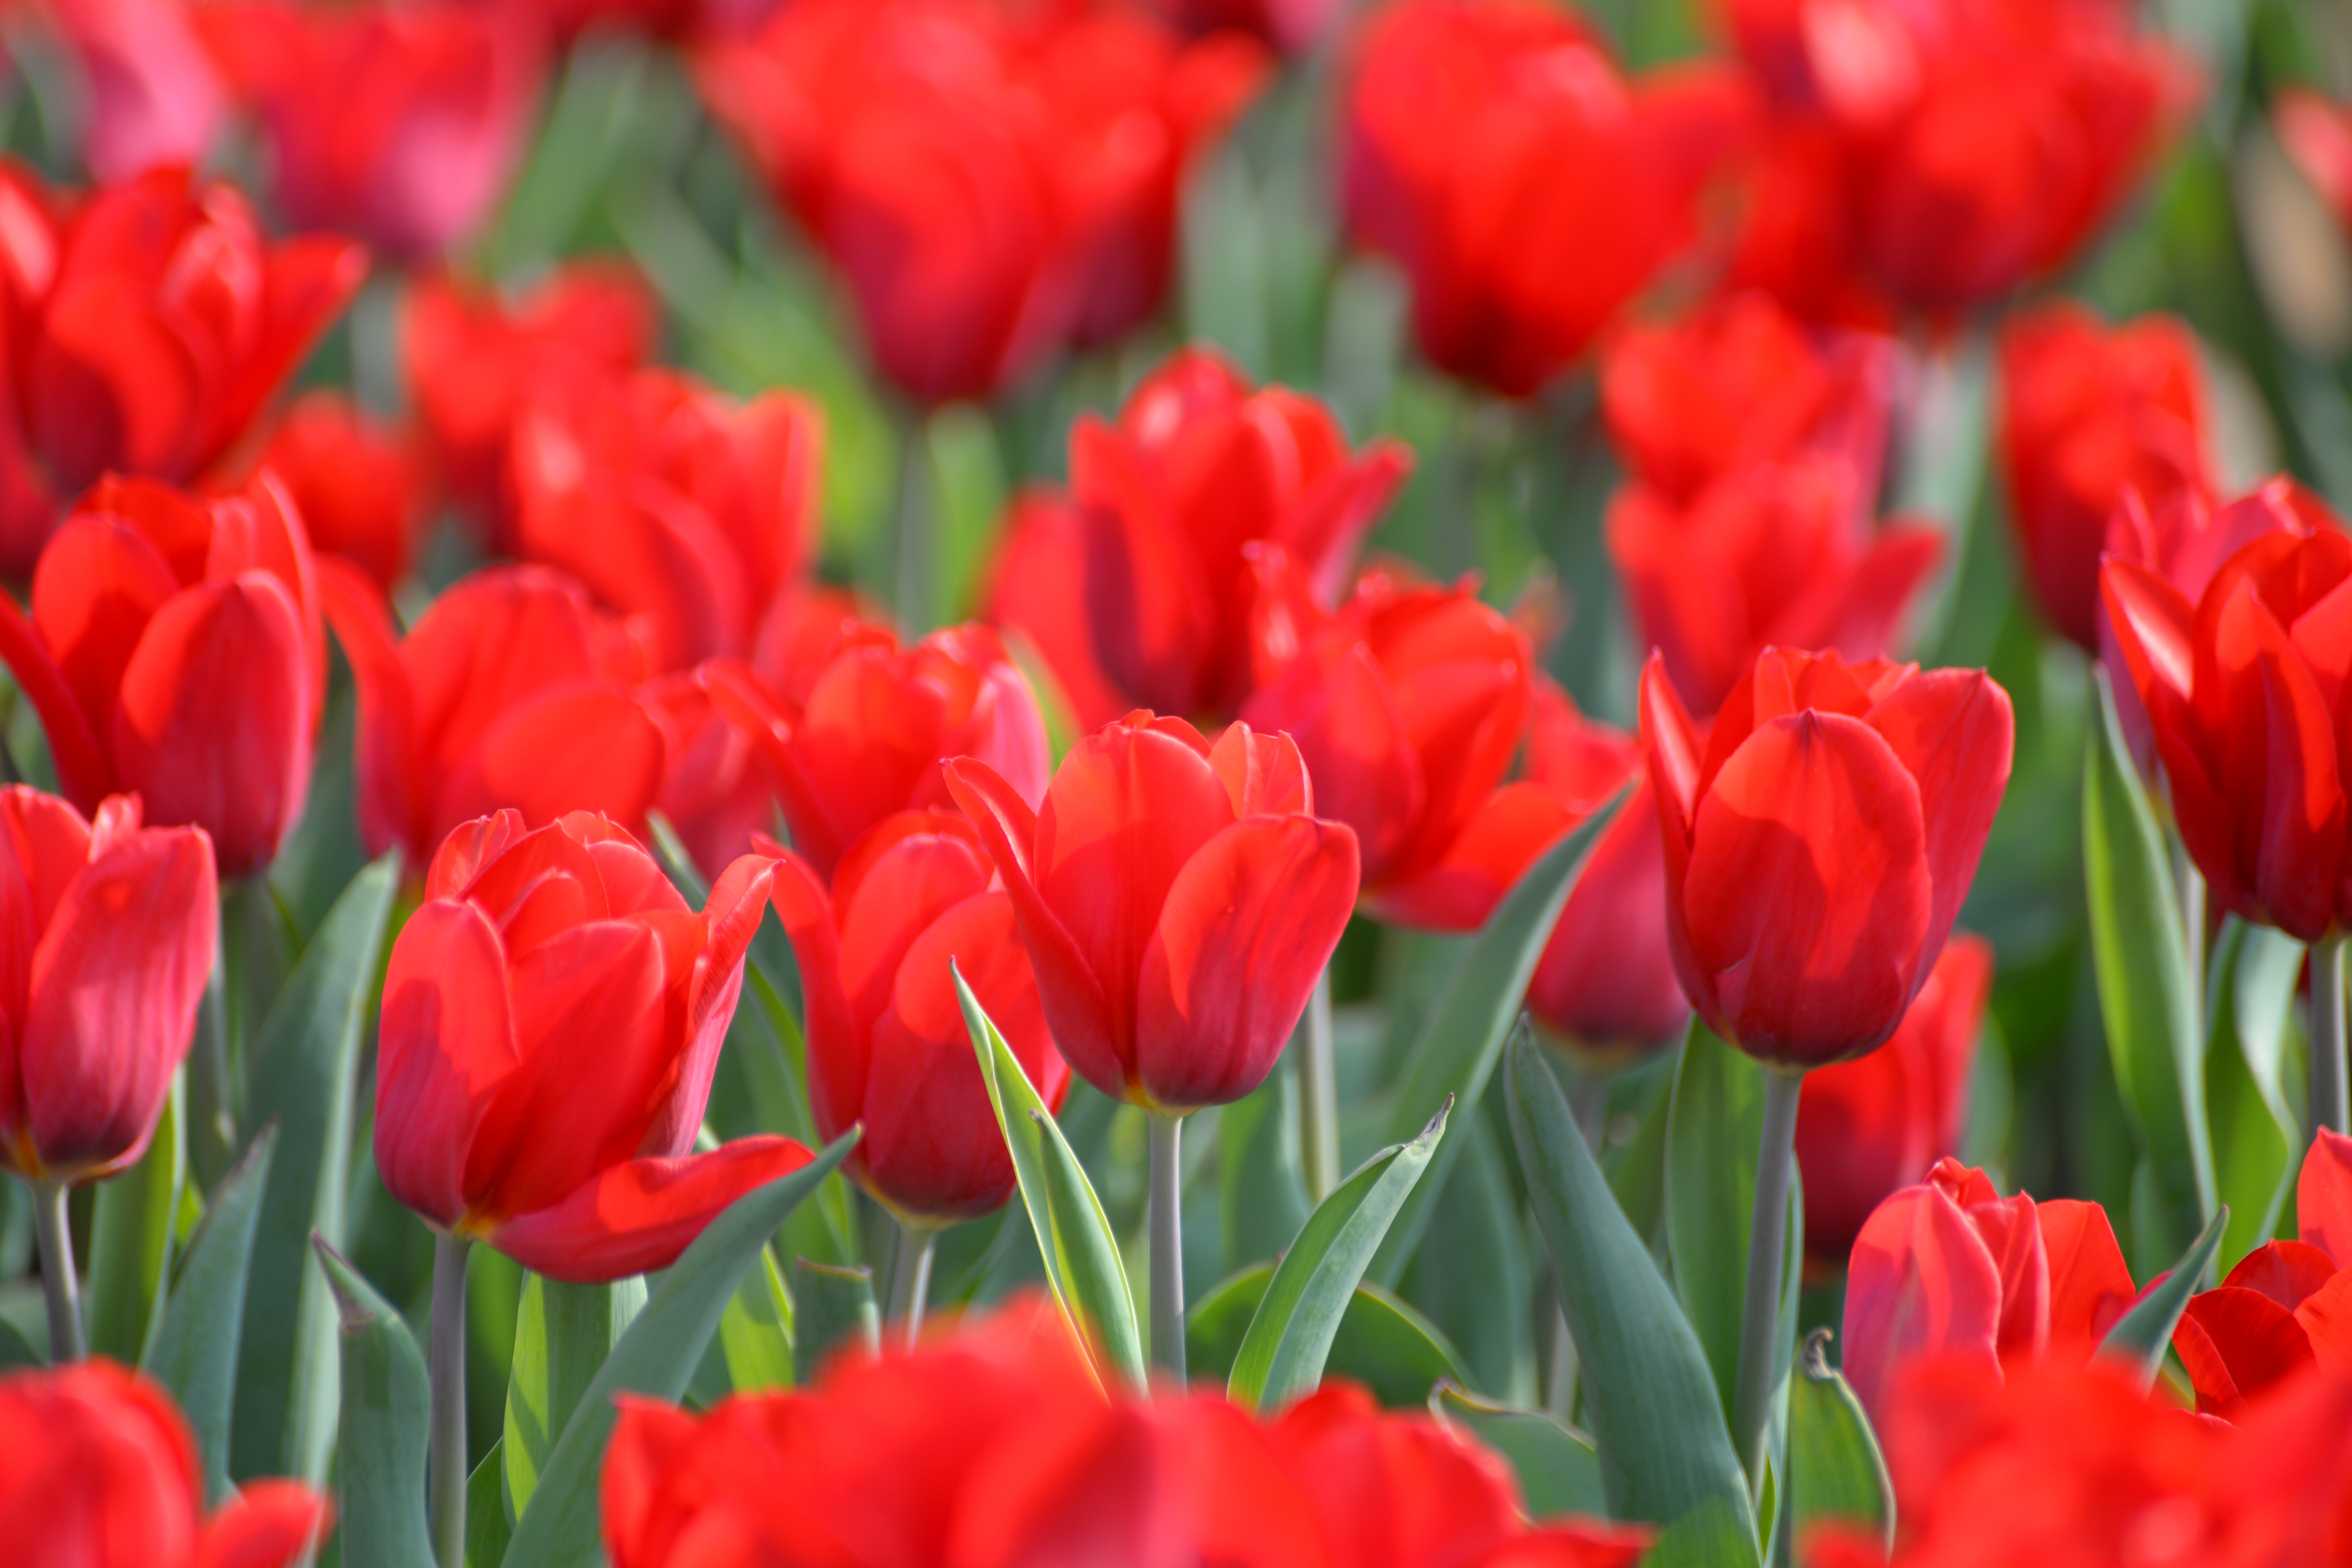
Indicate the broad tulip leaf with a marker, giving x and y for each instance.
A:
(755, 1334)
(2141, 1335)
(1462, 1038)
(656, 1356)
(1082, 1262)
(2256, 1134)
(562, 1334)
(196, 1350)
(1383, 1343)
(1281, 1357)
(131, 1244)
(386, 1412)
(303, 1075)
(488, 1528)
(2147, 993)
(832, 1305)
(1472, 1274)
(1558, 1466)
(1835, 1469)
(1665, 1448)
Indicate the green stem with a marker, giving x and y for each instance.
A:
(911, 1276)
(1768, 1235)
(2328, 1077)
(58, 1288)
(446, 1475)
(1318, 1095)
(916, 541)
(1167, 1222)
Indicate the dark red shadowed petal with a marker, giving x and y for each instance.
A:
(638, 1216)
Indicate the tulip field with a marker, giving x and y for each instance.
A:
(1175, 783)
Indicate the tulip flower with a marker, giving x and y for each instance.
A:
(97, 1469)
(991, 186)
(148, 324)
(354, 480)
(2316, 136)
(2087, 416)
(868, 739)
(174, 650)
(1528, 190)
(670, 503)
(1291, 26)
(1948, 1268)
(397, 122)
(1743, 382)
(1036, 594)
(552, 1016)
(511, 692)
(1795, 240)
(153, 95)
(474, 359)
(1772, 554)
(2287, 1306)
(888, 1045)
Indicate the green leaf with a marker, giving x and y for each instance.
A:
(130, 1244)
(1462, 1039)
(562, 1334)
(1472, 1274)
(16, 1350)
(488, 1528)
(832, 1305)
(656, 1356)
(1835, 1469)
(1082, 1261)
(1383, 1343)
(1282, 1354)
(303, 1075)
(2142, 1334)
(2147, 993)
(2255, 1131)
(1558, 1466)
(1665, 1448)
(386, 1411)
(1715, 1130)
(755, 1334)
(196, 1349)
(1261, 1189)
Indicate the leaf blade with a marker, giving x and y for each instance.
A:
(385, 1421)
(195, 1354)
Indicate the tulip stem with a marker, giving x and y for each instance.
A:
(446, 1476)
(2328, 1078)
(916, 565)
(57, 1285)
(1318, 1095)
(1167, 1220)
(911, 1276)
(1768, 1237)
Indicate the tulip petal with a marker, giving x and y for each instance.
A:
(577, 747)
(2249, 1343)
(836, 1045)
(2090, 1284)
(1264, 775)
(2326, 1315)
(638, 1216)
(446, 1043)
(384, 749)
(1879, 593)
(2286, 1271)
(1248, 925)
(742, 698)
(1921, 1281)
(1954, 733)
(1150, 602)
(1671, 744)
(732, 915)
(44, 847)
(2279, 768)
(2322, 1196)
(84, 772)
(1458, 890)
(267, 1524)
(99, 582)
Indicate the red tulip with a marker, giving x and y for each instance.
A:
(1948, 1267)
(1796, 240)
(2237, 686)
(1819, 842)
(869, 738)
(1292, 26)
(2317, 134)
(399, 124)
(1865, 1127)
(886, 1040)
(1178, 902)
(671, 502)
(1036, 594)
(153, 94)
(1742, 382)
(146, 326)
(2088, 416)
(474, 359)
(354, 482)
(1773, 555)
(2287, 1305)
(510, 691)
(175, 651)
(552, 1012)
(110, 934)
(1197, 469)
(97, 1469)
(991, 181)
(1527, 189)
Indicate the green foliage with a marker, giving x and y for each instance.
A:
(1382, 1342)
(193, 1351)
(386, 1411)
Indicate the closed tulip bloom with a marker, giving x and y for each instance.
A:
(511, 692)
(1035, 594)
(552, 1012)
(2087, 416)
(175, 651)
(154, 94)
(1819, 842)
(1527, 188)
(868, 739)
(147, 324)
(1178, 902)
(1865, 1127)
(1197, 468)
(671, 502)
(111, 929)
(399, 124)
(1778, 553)
(888, 1045)
(97, 1469)
(355, 482)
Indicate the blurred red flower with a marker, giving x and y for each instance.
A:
(353, 479)
(2317, 135)
(1289, 24)
(154, 94)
